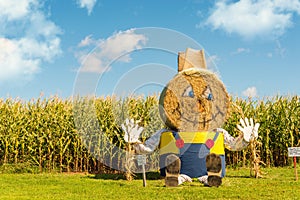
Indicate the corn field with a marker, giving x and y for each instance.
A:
(84, 134)
(279, 119)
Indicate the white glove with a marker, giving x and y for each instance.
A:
(132, 131)
(249, 129)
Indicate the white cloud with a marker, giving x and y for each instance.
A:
(88, 4)
(250, 92)
(122, 42)
(87, 41)
(118, 46)
(16, 9)
(241, 50)
(13, 62)
(288, 5)
(279, 49)
(27, 39)
(252, 18)
(269, 55)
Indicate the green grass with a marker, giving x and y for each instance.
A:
(278, 183)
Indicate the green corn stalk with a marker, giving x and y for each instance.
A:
(42, 131)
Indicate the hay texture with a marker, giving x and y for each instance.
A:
(194, 100)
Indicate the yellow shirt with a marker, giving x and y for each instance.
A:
(168, 141)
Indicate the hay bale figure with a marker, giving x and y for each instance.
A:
(194, 105)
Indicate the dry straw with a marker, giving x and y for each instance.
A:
(255, 159)
(184, 104)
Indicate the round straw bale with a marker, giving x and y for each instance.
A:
(194, 100)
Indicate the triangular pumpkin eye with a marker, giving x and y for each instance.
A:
(188, 92)
(207, 94)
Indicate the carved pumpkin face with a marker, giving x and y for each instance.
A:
(194, 100)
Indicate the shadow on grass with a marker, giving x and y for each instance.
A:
(237, 176)
(121, 176)
(149, 176)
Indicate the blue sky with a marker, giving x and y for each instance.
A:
(67, 47)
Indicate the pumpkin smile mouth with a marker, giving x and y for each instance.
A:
(213, 117)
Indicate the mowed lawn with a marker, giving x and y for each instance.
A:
(278, 183)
